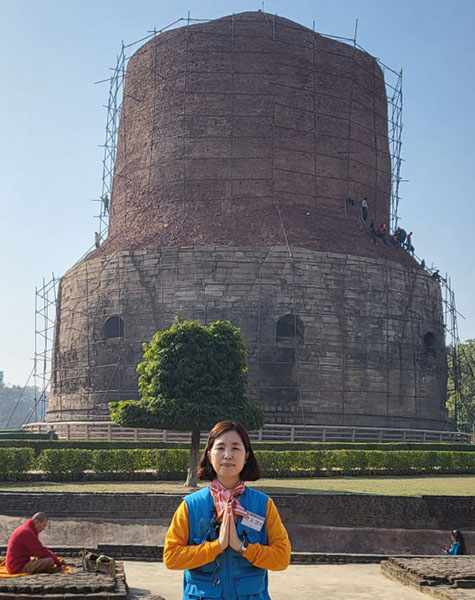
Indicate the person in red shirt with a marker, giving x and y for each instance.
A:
(25, 552)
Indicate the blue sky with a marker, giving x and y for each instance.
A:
(52, 123)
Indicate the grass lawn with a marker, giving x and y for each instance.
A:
(443, 485)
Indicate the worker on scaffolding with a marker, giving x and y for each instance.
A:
(438, 277)
(399, 237)
(381, 233)
(364, 209)
(409, 246)
(372, 231)
(105, 204)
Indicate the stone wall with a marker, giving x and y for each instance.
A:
(240, 142)
(325, 510)
(368, 349)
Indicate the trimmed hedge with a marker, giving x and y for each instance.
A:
(77, 463)
(40, 445)
(19, 434)
(364, 462)
(74, 463)
(14, 462)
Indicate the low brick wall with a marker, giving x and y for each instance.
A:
(316, 523)
(334, 510)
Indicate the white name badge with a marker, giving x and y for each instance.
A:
(253, 521)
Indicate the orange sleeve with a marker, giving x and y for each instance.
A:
(177, 554)
(276, 555)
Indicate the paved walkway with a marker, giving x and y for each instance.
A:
(312, 582)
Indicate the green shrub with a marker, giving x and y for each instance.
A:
(20, 434)
(14, 462)
(397, 463)
(65, 464)
(385, 446)
(462, 462)
(305, 464)
(118, 461)
(346, 461)
(172, 463)
(43, 444)
(40, 445)
(288, 463)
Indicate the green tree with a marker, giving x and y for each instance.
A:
(16, 404)
(191, 377)
(463, 410)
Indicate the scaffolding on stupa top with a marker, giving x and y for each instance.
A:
(392, 80)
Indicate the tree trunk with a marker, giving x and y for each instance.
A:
(191, 478)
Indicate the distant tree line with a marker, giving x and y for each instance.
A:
(465, 413)
(16, 404)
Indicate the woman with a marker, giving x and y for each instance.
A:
(458, 544)
(227, 535)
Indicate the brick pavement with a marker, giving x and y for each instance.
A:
(448, 578)
(78, 585)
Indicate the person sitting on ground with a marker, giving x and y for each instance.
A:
(457, 546)
(25, 552)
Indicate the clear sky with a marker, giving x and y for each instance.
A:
(52, 122)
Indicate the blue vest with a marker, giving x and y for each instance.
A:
(230, 576)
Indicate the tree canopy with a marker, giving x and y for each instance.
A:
(191, 377)
(15, 404)
(466, 404)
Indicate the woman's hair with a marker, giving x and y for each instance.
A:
(458, 537)
(251, 470)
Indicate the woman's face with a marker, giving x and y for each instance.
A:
(228, 456)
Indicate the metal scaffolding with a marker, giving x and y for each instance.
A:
(393, 81)
(114, 107)
(46, 294)
(455, 351)
(45, 314)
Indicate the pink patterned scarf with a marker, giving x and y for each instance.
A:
(221, 496)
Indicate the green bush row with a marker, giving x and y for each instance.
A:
(14, 462)
(364, 462)
(20, 435)
(73, 463)
(67, 464)
(40, 445)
